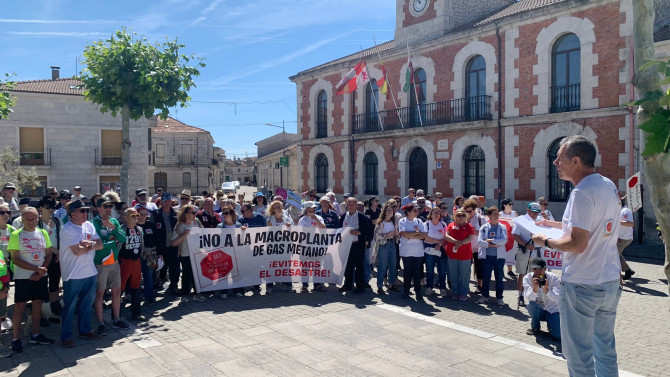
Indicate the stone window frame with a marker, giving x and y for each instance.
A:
(488, 145)
(461, 60)
(314, 91)
(378, 150)
(328, 152)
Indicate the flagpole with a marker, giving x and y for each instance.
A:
(388, 83)
(381, 124)
(416, 94)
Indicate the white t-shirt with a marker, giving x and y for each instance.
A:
(308, 222)
(411, 247)
(77, 266)
(285, 219)
(32, 248)
(594, 206)
(435, 232)
(388, 227)
(626, 233)
(477, 222)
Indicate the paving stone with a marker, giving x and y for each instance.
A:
(92, 367)
(145, 367)
(241, 367)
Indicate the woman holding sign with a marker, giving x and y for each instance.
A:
(186, 221)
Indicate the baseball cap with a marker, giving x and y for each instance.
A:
(535, 207)
(140, 191)
(538, 263)
(24, 201)
(65, 194)
(104, 199)
(166, 196)
(346, 195)
(259, 194)
(77, 187)
(75, 205)
(8, 185)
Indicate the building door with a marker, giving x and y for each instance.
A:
(160, 180)
(418, 169)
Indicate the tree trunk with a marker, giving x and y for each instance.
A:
(656, 168)
(125, 152)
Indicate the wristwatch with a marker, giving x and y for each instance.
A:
(546, 243)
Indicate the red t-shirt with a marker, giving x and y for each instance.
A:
(460, 233)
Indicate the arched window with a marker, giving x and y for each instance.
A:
(559, 190)
(322, 114)
(475, 88)
(321, 168)
(566, 74)
(418, 169)
(417, 109)
(186, 180)
(371, 174)
(371, 102)
(474, 160)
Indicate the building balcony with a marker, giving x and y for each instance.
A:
(565, 98)
(108, 157)
(425, 115)
(35, 157)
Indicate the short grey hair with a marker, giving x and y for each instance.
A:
(580, 146)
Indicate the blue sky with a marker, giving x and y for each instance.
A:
(251, 48)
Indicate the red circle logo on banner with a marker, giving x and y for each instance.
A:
(216, 265)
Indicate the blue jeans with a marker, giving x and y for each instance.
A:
(538, 314)
(386, 260)
(148, 276)
(492, 263)
(367, 274)
(459, 275)
(79, 294)
(441, 262)
(588, 313)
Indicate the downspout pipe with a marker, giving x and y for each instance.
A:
(500, 114)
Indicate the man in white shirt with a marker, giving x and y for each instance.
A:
(591, 267)
(625, 238)
(542, 289)
(77, 194)
(141, 196)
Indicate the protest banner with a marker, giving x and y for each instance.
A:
(552, 257)
(235, 257)
(293, 199)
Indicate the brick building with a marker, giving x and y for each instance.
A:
(497, 84)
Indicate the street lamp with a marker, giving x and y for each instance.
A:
(281, 168)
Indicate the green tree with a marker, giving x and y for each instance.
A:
(23, 178)
(7, 101)
(654, 116)
(129, 75)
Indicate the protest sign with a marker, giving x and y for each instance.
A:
(235, 257)
(634, 192)
(293, 199)
(552, 257)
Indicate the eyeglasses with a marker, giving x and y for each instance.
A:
(5, 212)
(227, 213)
(421, 202)
(82, 210)
(134, 215)
(108, 206)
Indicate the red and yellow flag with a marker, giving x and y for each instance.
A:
(357, 75)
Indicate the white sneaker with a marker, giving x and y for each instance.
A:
(443, 292)
(501, 302)
(6, 324)
(198, 297)
(482, 300)
(224, 296)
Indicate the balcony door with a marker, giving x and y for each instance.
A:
(475, 88)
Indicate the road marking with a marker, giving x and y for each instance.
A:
(484, 334)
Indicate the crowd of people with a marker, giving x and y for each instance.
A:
(102, 249)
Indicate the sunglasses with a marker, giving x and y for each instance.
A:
(184, 199)
(82, 210)
(108, 206)
(134, 215)
(227, 213)
(5, 212)
(10, 188)
(142, 195)
(461, 215)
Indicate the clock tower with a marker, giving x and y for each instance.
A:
(419, 20)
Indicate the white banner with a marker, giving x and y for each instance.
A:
(233, 258)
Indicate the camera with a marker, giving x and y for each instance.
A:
(541, 280)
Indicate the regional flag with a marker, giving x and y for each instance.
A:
(357, 75)
(409, 78)
(383, 83)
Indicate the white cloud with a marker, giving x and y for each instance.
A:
(205, 12)
(59, 34)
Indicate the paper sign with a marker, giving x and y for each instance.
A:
(533, 228)
(293, 199)
(634, 192)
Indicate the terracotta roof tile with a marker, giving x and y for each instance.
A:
(58, 86)
(172, 125)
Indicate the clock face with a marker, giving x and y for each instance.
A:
(419, 5)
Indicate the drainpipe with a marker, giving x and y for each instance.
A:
(500, 99)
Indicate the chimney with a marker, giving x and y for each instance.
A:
(55, 72)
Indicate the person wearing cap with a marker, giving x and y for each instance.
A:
(260, 203)
(343, 205)
(424, 210)
(8, 191)
(31, 251)
(165, 220)
(52, 225)
(590, 279)
(77, 194)
(141, 197)
(107, 260)
(184, 199)
(333, 203)
(525, 247)
(63, 198)
(79, 240)
(17, 221)
(328, 214)
(157, 195)
(542, 290)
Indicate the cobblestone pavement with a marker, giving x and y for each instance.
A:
(328, 333)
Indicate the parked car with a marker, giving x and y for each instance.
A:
(228, 187)
(236, 183)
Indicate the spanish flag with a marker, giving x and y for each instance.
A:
(357, 75)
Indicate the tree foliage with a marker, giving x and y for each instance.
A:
(126, 70)
(656, 104)
(7, 101)
(23, 178)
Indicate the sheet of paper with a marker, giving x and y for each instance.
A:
(533, 228)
